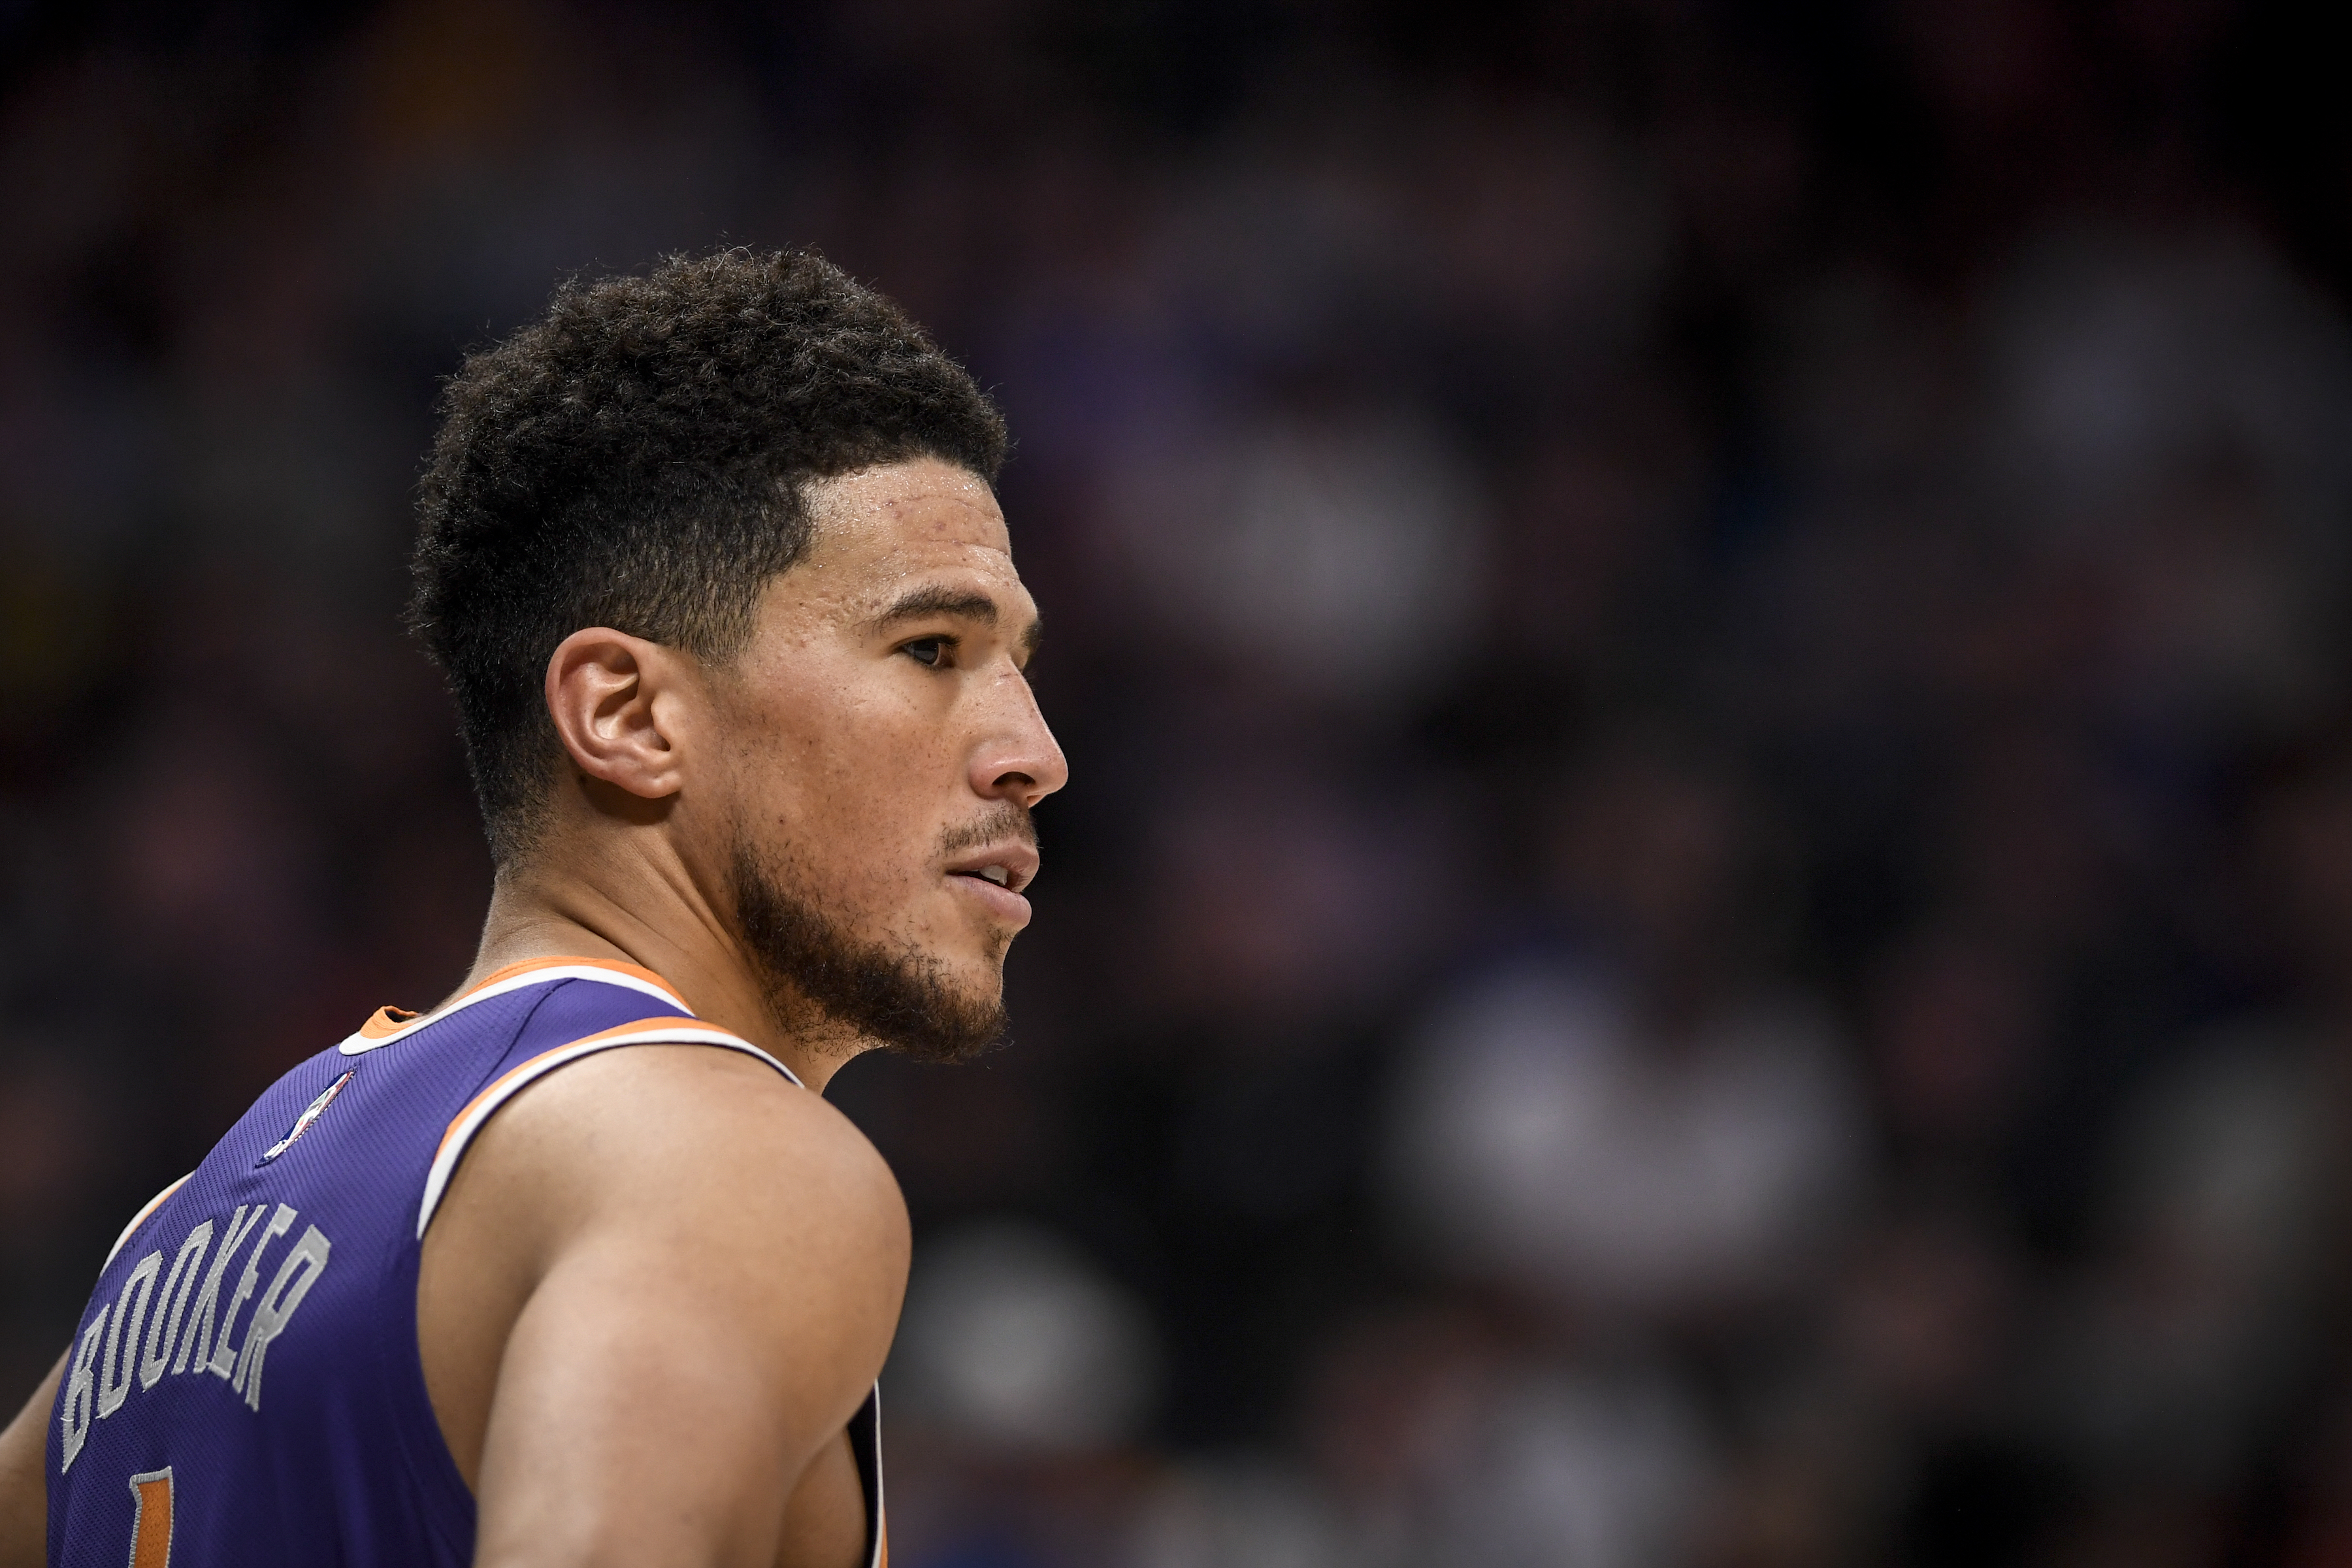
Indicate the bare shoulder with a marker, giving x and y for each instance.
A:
(663, 1126)
(689, 1148)
(686, 1186)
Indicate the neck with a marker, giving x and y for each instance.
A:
(664, 925)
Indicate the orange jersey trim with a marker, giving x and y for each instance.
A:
(388, 1024)
(384, 1020)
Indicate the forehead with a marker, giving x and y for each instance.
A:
(886, 533)
(877, 528)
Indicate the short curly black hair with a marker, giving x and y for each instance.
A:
(638, 459)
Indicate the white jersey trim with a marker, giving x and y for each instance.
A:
(357, 1044)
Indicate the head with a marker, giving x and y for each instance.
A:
(713, 564)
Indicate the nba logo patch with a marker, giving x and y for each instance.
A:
(302, 1122)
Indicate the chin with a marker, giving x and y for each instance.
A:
(975, 960)
(980, 982)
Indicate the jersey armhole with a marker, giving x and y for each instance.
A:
(515, 1080)
(866, 1449)
(141, 1217)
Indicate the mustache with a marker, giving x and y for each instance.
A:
(1008, 820)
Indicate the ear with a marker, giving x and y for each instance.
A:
(613, 698)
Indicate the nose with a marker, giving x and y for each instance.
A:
(1018, 760)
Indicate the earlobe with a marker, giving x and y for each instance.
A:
(604, 693)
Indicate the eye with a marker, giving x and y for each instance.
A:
(929, 652)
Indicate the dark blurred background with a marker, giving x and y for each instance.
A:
(1706, 913)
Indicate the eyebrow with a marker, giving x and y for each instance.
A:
(937, 599)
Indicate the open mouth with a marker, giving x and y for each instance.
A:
(1010, 868)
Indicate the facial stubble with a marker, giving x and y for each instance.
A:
(820, 977)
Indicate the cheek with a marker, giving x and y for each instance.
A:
(848, 794)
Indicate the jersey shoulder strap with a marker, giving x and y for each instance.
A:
(574, 1021)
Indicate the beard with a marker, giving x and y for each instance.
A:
(823, 981)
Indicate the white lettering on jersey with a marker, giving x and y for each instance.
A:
(199, 1331)
(114, 1370)
(76, 1414)
(164, 1326)
(271, 1313)
(110, 1355)
(223, 1360)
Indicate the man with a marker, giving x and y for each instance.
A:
(712, 562)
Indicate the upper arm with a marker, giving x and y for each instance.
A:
(24, 1478)
(712, 1266)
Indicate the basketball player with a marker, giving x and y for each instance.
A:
(577, 1267)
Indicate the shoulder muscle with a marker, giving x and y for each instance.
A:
(658, 1252)
(638, 1139)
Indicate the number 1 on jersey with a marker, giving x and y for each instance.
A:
(151, 1527)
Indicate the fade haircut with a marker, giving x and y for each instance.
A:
(639, 460)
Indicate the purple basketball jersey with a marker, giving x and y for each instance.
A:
(244, 1388)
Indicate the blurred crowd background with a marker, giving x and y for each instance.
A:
(1706, 917)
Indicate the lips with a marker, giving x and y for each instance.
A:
(1011, 865)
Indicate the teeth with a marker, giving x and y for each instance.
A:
(996, 874)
